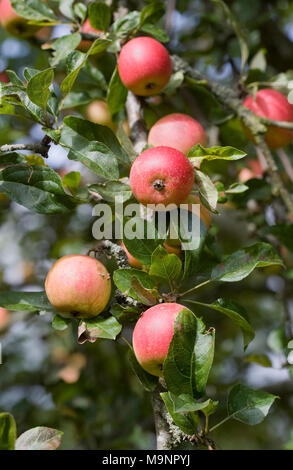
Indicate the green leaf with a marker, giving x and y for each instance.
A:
(39, 438)
(123, 280)
(237, 188)
(175, 82)
(198, 153)
(148, 381)
(277, 340)
(143, 246)
(186, 403)
(187, 422)
(126, 24)
(242, 262)
(207, 191)
(99, 15)
(98, 328)
(60, 323)
(63, 46)
(260, 359)
(11, 158)
(249, 406)
(72, 180)
(235, 312)
(7, 431)
(37, 188)
(33, 10)
(94, 154)
(111, 190)
(152, 12)
(38, 88)
(238, 31)
(190, 356)
(125, 315)
(158, 33)
(165, 267)
(25, 301)
(117, 93)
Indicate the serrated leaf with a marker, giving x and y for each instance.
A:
(123, 278)
(158, 33)
(235, 312)
(97, 328)
(39, 438)
(146, 296)
(63, 46)
(38, 88)
(207, 191)
(25, 301)
(117, 93)
(187, 422)
(165, 267)
(99, 15)
(38, 188)
(198, 153)
(248, 405)
(242, 262)
(60, 323)
(190, 356)
(111, 190)
(33, 10)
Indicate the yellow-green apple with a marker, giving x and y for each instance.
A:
(98, 112)
(78, 286)
(144, 66)
(273, 105)
(161, 175)
(177, 130)
(152, 335)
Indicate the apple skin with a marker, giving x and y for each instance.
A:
(152, 335)
(273, 105)
(144, 66)
(161, 175)
(133, 262)
(98, 112)
(15, 24)
(78, 286)
(87, 29)
(4, 317)
(255, 170)
(4, 77)
(177, 130)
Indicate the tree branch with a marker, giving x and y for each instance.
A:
(138, 131)
(41, 148)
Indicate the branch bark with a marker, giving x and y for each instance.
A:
(41, 148)
(138, 131)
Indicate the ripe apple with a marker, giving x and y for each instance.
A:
(4, 317)
(152, 335)
(255, 170)
(161, 175)
(144, 66)
(273, 105)
(133, 262)
(4, 77)
(179, 131)
(87, 29)
(78, 286)
(13, 23)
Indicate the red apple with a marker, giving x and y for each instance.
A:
(152, 335)
(87, 29)
(13, 23)
(144, 66)
(273, 105)
(161, 175)
(179, 131)
(255, 170)
(78, 286)
(4, 317)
